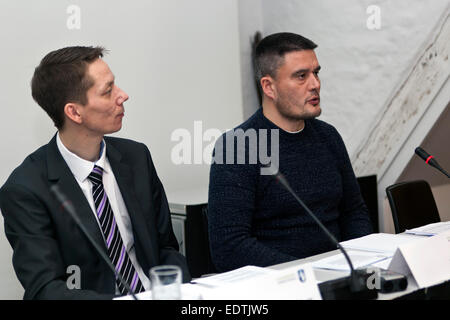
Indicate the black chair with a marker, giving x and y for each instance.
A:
(412, 204)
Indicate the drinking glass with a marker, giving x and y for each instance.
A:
(166, 282)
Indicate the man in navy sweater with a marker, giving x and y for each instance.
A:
(252, 219)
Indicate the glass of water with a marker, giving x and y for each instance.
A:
(165, 282)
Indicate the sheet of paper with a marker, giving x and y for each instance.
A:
(383, 264)
(384, 243)
(297, 283)
(294, 283)
(359, 259)
(188, 292)
(431, 229)
(146, 295)
(234, 276)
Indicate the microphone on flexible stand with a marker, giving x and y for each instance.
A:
(429, 159)
(351, 287)
(68, 206)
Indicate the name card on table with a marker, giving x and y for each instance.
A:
(427, 260)
(294, 283)
(297, 283)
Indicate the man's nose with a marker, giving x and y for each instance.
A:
(314, 82)
(122, 97)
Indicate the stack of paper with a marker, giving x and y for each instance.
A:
(431, 229)
(359, 259)
(255, 283)
(384, 243)
(235, 276)
(188, 292)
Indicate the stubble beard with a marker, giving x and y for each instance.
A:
(290, 114)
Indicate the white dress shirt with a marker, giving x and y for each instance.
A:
(81, 169)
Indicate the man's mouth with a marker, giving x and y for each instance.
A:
(314, 101)
(122, 113)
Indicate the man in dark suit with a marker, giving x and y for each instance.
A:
(111, 182)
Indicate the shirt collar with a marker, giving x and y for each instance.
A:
(81, 168)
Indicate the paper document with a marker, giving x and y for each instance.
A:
(234, 276)
(383, 264)
(294, 283)
(384, 243)
(359, 259)
(430, 229)
(188, 292)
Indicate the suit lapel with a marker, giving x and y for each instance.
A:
(124, 176)
(59, 173)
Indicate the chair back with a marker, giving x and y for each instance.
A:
(412, 204)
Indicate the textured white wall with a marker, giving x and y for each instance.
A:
(360, 67)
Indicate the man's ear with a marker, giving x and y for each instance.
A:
(268, 87)
(72, 111)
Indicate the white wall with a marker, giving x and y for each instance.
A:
(178, 60)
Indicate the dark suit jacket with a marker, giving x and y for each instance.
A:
(46, 240)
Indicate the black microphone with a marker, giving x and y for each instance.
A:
(68, 206)
(429, 159)
(352, 287)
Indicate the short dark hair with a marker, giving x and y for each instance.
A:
(61, 78)
(270, 51)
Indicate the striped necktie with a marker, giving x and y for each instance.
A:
(116, 249)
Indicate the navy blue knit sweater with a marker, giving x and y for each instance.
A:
(253, 220)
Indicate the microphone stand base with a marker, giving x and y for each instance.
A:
(341, 289)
